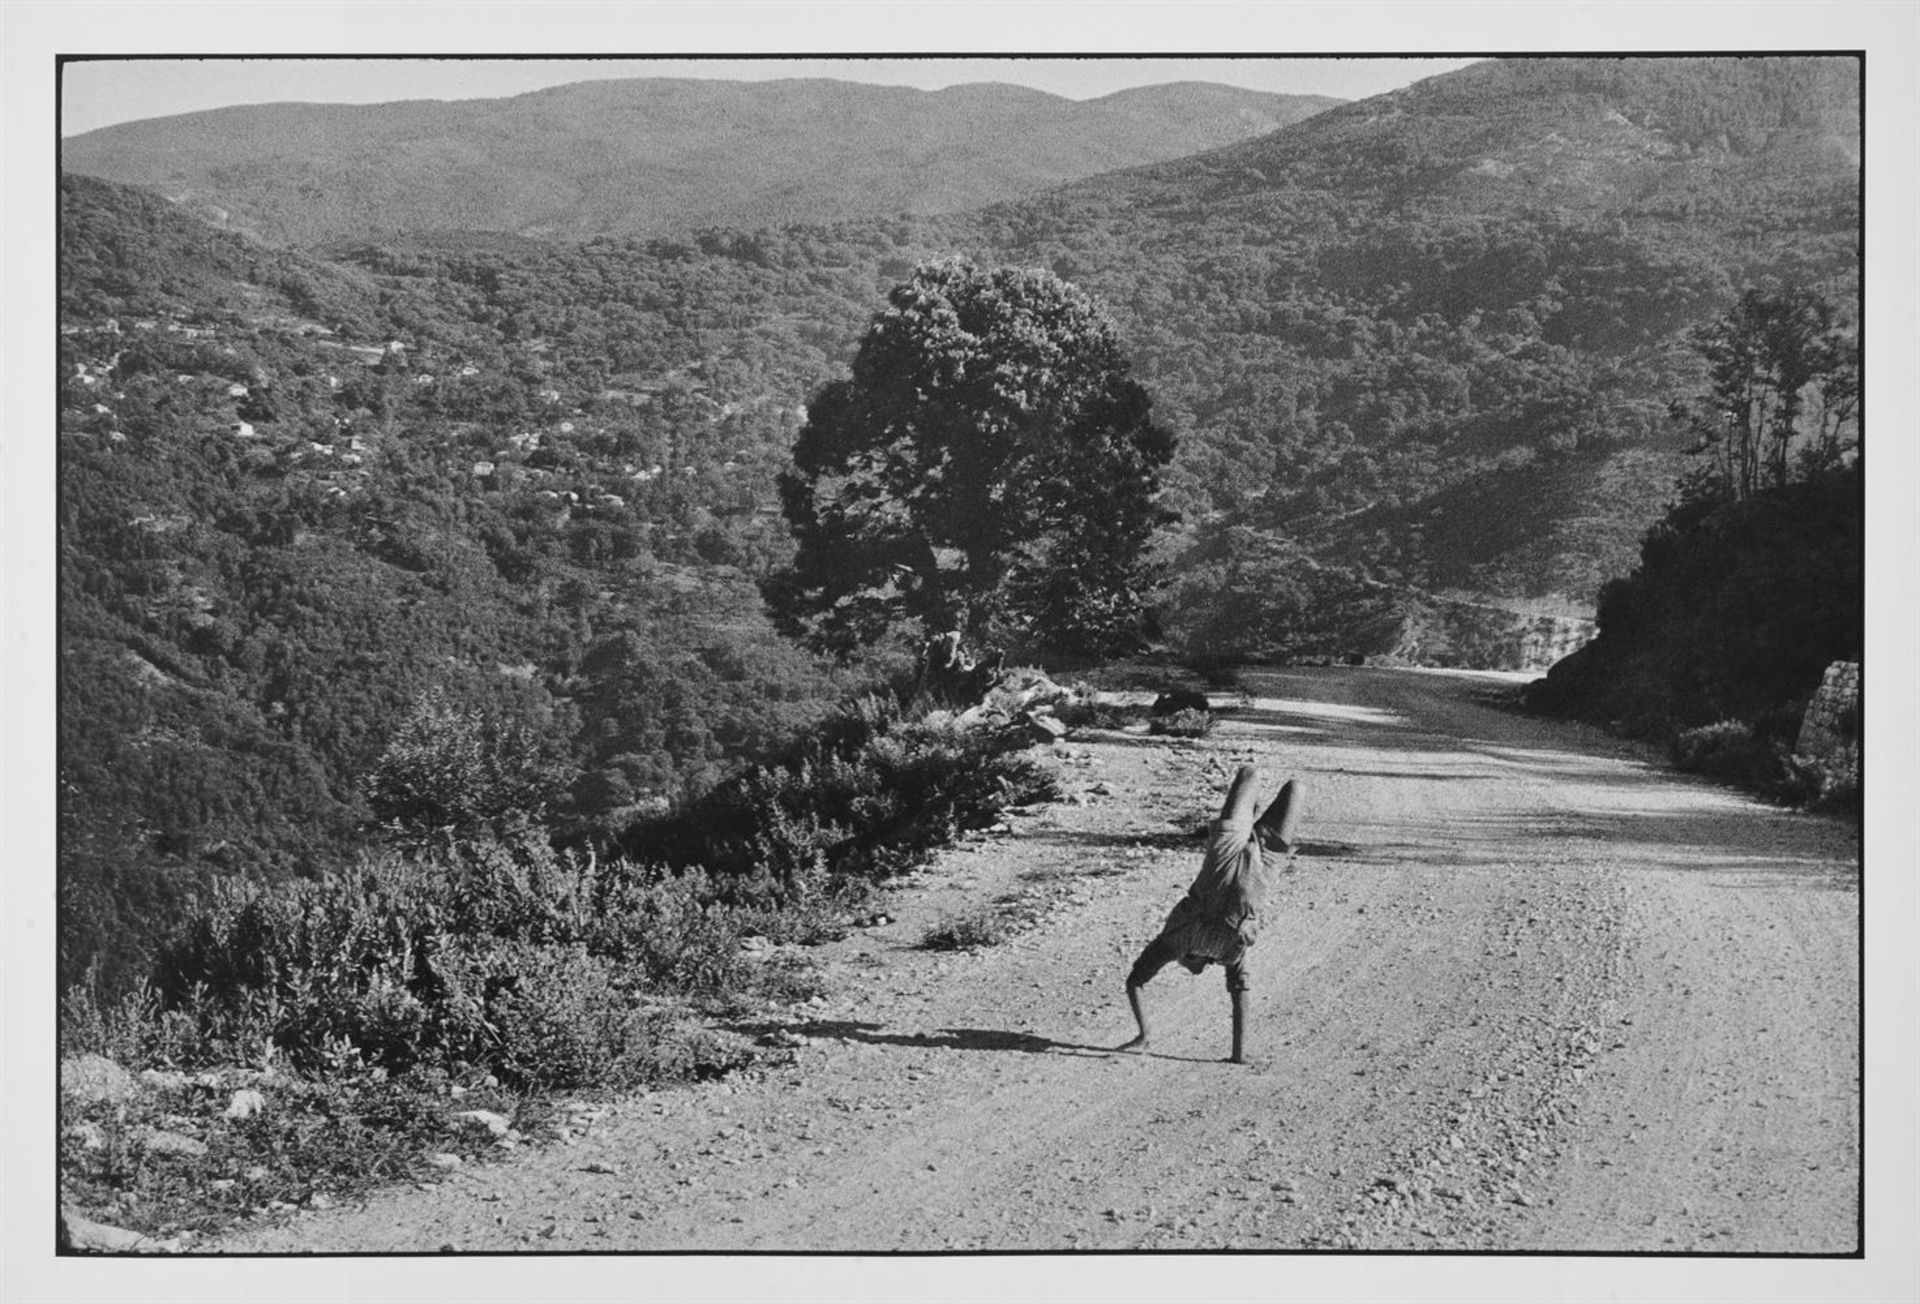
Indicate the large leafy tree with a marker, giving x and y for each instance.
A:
(989, 466)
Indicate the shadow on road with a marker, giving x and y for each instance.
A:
(946, 1039)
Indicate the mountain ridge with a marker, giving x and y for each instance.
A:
(655, 156)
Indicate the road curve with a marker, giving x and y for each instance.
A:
(1525, 990)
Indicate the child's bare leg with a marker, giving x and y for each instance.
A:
(1277, 822)
(1238, 808)
(1139, 1017)
(1155, 957)
(1237, 995)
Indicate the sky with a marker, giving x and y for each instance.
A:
(100, 94)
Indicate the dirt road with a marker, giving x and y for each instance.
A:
(1524, 990)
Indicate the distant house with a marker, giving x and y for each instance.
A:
(482, 469)
(241, 429)
(236, 391)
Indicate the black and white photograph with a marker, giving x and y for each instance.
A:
(1127, 664)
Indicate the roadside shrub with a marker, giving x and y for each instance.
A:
(669, 929)
(1728, 749)
(327, 971)
(867, 797)
(522, 888)
(968, 931)
(129, 1029)
(1187, 723)
(1173, 701)
(1090, 713)
(1757, 759)
(559, 1016)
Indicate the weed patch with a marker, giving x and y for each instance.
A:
(968, 931)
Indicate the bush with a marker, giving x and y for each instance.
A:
(669, 929)
(1728, 750)
(561, 1017)
(1090, 713)
(967, 932)
(866, 798)
(130, 1029)
(1183, 724)
(451, 769)
(1754, 757)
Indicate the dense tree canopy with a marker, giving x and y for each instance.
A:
(1784, 397)
(990, 466)
(1750, 586)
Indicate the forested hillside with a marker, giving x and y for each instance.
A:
(298, 498)
(1433, 334)
(1423, 344)
(657, 156)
